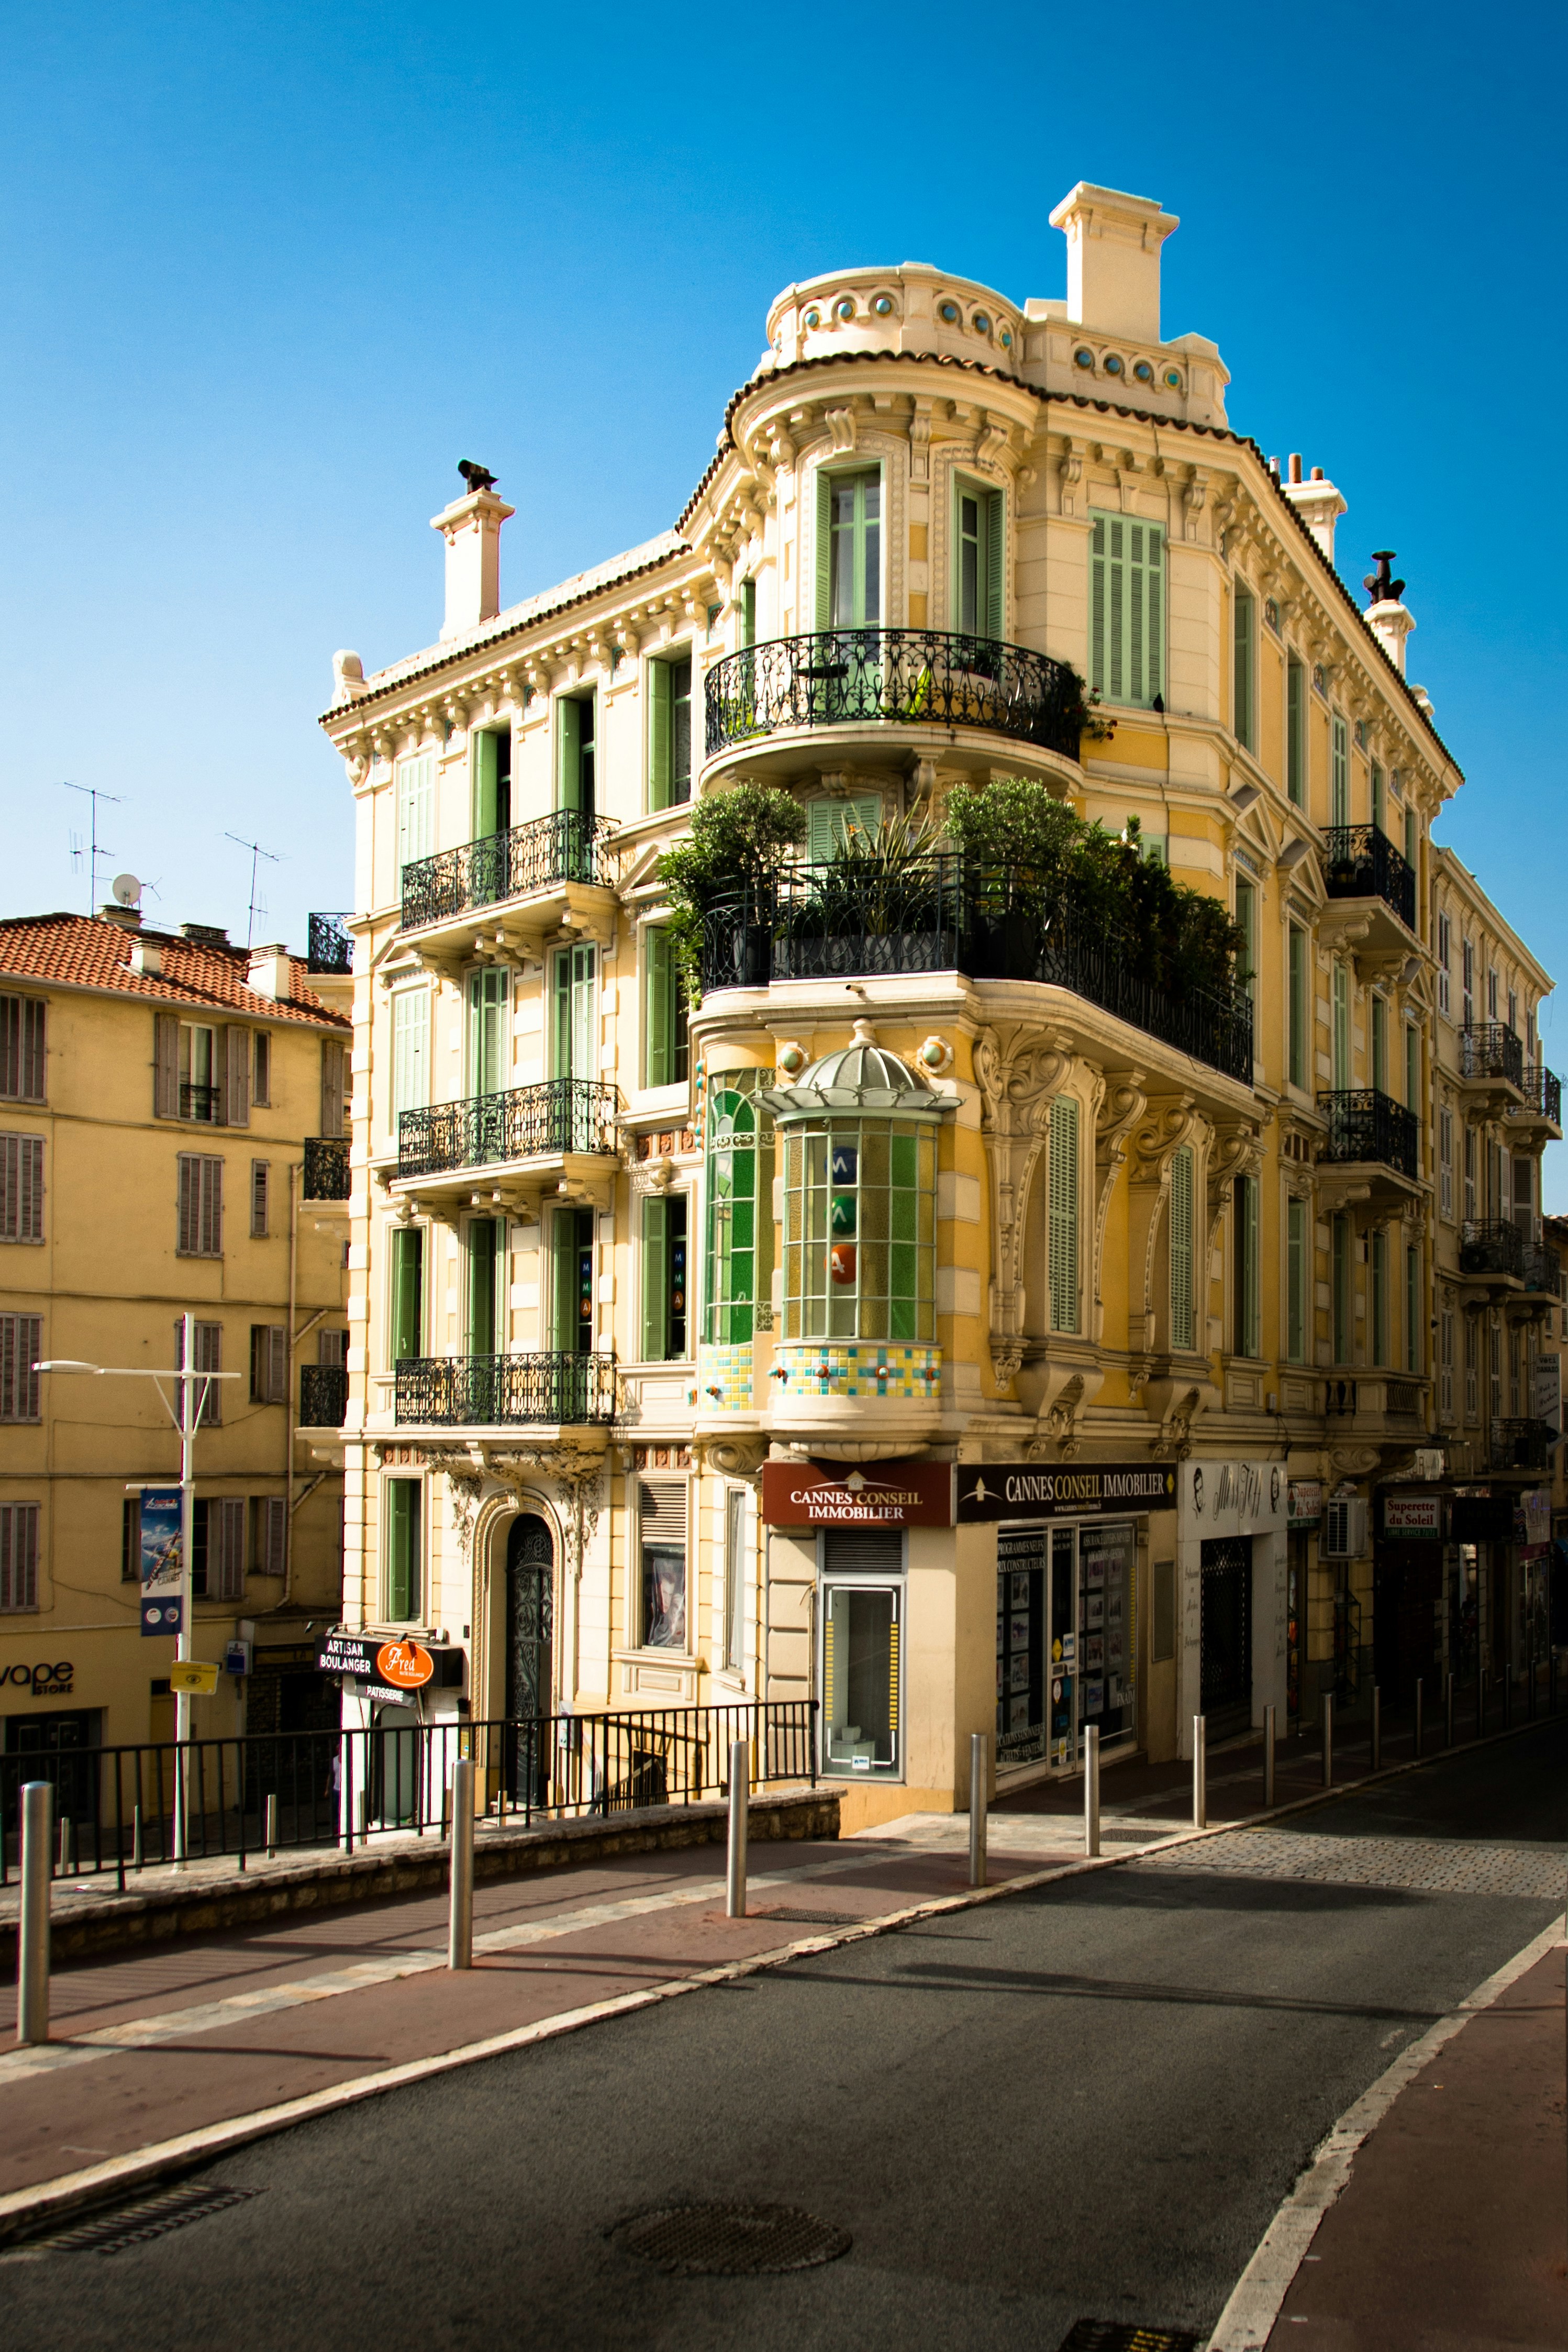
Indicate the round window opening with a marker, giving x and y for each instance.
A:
(1173, 377)
(1083, 358)
(949, 312)
(1112, 364)
(882, 306)
(846, 309)
(813, 318)
(1007, 341)
(982, 323)
(1143, 372)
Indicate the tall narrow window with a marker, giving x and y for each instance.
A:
(410, 1050)
(206, 1356)
(849, 550)
(21, 1049)
(733, 1194)
(1248, 1319)
(748, 612)
(261, 1072)
(415, 808)
(21, 1187)
(576, 1054)
(1341, 1286)
(407, 1292)
(1446, 1363)
(1340, 1033)
(19, 1556)
(1126, 609)
(201, 1094)
(1296, 732)
(1472, 1368)
(1247, 924)
(1339, 771)
(1297, 1039)
(490, 753)
(1513, 1012)
(1445, 1162)
(334, 1086)
(1445, 957)
(1492, 992)
(1379, 799)
(1412, 840)
(1469, 1174)
(664, 1027)
(268, 1363)
(978, 546)
(488, 1030)
(485, 1256)
(200, 1223)
(1380, 1042)
(662, 1531)
(734, 1577)
(572, 1235)
(21, 1388)
(1468, 981)
(1380, 1296)
(1062, 1256)
(1297, 1271)
(1412, 1308)
(404, 1548)
(1244, 651)
(670, 733)
(859, 1228)
(665, 1278)
(1183, 1312)
(260, 1190)
(576, 755)
(1412, 1067)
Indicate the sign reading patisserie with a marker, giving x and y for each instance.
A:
(880, 1494)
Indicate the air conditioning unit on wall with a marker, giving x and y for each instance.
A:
(1345, 1528)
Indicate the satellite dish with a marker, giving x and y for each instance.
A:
(127, 890)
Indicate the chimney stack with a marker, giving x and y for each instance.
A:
(471, 526)
(1113, 243)
(1317, 502)
(1386, 615)
(268, 972)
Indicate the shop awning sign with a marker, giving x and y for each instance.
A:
(880, 1494)
(385, 1669)
(1078, 1490)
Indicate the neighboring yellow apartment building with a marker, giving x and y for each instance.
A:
(172, 1125)
(1153, 1277)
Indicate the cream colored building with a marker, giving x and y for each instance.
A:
(170, 1142)
(1123, 1230)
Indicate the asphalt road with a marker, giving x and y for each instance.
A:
(1085, 2102)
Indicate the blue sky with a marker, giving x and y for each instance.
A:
(270, 270)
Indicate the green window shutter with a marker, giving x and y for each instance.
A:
(403, 1595)
(656, 1278)
(1379, 799)
(484, 1257)
(1099, 594)
(415, 808)
(486, 1030)
(748, 613)
(1062, 1238)
(1412, 1067)
(658, 735)
(574, 1010)
(660, 1009)
(411, 1049)
(1379, 1296)
(1245, 617)
(824, 550)
(1297, 1040)
(994, 599)
(1254, 1331)
(1412, 1308)
(829, 822)
(569, 754)
(1182, 1332)
(1411, 851)
(485, 776)
(1296, 732)
(407, 1293)
(1126, 609)
(1380, 1043)
(1339, 773)
(1341, 1027)
(1296, 1281)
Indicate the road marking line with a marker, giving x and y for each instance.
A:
(1248, 2320)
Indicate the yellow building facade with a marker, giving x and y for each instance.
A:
(171, 1143)
(1114, 1284)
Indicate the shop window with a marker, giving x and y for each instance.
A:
(860, 1230)
(1127, 610)
(661, 1533)
(861, 1627)
(664, 1278)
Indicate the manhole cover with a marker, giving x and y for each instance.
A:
(1116, 2336)
(732, 2241)
(133, 2224)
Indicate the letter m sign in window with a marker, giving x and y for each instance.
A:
(1126, 609)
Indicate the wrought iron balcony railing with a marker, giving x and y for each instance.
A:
(858, 919)
(1366, 1125)
(1360, 862)
(201, 1103)
(1492, 1246)
(326, 1167)
(565, 847)
(905, 678)
(323, 1396)
(483, 1392)
(1490, 1049)
(522, 1123)
(1542, 1095)
(1541, 1268)
(330, 947)
(1518, 1444)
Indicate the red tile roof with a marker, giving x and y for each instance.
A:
(84, 952)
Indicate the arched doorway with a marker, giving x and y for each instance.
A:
(530, 1624)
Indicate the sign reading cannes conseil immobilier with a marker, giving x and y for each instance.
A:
(883, 1495)
(1088, 1490)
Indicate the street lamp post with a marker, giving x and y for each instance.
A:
(185, 1408)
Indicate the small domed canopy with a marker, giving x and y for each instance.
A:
(860, 1077)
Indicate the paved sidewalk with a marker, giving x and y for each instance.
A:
(1449, 2235)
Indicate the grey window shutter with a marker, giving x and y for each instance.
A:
(237, 1078)
(230, 1532)
(21, 1187)
(331, 1086)
(190, 1184)
(166, 1065)
(260, 1189)
(275, 1534)
(277, 1363)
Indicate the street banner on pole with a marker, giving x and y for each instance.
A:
(161, 1560)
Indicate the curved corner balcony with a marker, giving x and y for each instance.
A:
(511, 888)
(881, 692)
(500, 1149)
(557, 1388)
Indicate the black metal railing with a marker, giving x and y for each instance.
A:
(1542, 1269)
(119, 1810)
(1542, 1095)
(565, 847)
(905, 678)
(1402, 1397)
(1365, 1124)
(323, 1396)
(556, 1386)
(328, 948)
(856, 917)
(326, 1167)
(1492, 1246)
(199, 1103)
(1490, 1049)
(522, 1123)
(1360, 862)
(1518, 1444)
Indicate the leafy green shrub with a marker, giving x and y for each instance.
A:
(737, 836)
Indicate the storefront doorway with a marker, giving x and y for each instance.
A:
(1225, 1669)
(1064, 1640)
(531, 1622)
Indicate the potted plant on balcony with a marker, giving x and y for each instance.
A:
(738, 841)
(1017, 843)
(879, 901)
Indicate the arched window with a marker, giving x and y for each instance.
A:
(733, 1188)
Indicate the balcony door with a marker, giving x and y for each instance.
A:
(849, 550)
(576, 976)
(573, 1244)
(486, 1030)
(530, 1609)
(485, 1258)
(977, 552)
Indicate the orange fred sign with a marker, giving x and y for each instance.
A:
(406, 1666)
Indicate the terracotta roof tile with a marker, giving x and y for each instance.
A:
(85, 953)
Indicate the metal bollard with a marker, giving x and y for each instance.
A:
(1529, 1692)
(978, 1776)
(136, 1837)
(1507, 1696)
(1448, 1712)
(1376, 1764)
(1091, 1788)
(1200, 1772)
(739, 1803)
(460, 1934)
(1267, 1759)
(1420, 1712)
(1551, 1680)
(65, 1861)
(1481, 1704)
(271, 1828)
(1328, 1740)
(33, 1924)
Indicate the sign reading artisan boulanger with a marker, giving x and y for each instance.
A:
(1025, 1490)
(389, 1669)
(883, 1495)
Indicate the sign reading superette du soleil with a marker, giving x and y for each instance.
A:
(883, 1495)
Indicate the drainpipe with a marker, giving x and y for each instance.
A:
(295, 1167)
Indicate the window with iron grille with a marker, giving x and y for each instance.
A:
(21, 1345)
(19, 1556)
(260, 1190)
(207, 1356)
(201, 1216)
(268, 1363)
(21, 1049)
(21, 1187)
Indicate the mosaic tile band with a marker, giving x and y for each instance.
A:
(869, 1369)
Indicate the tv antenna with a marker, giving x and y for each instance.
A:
(258, 904)
(95, 853)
